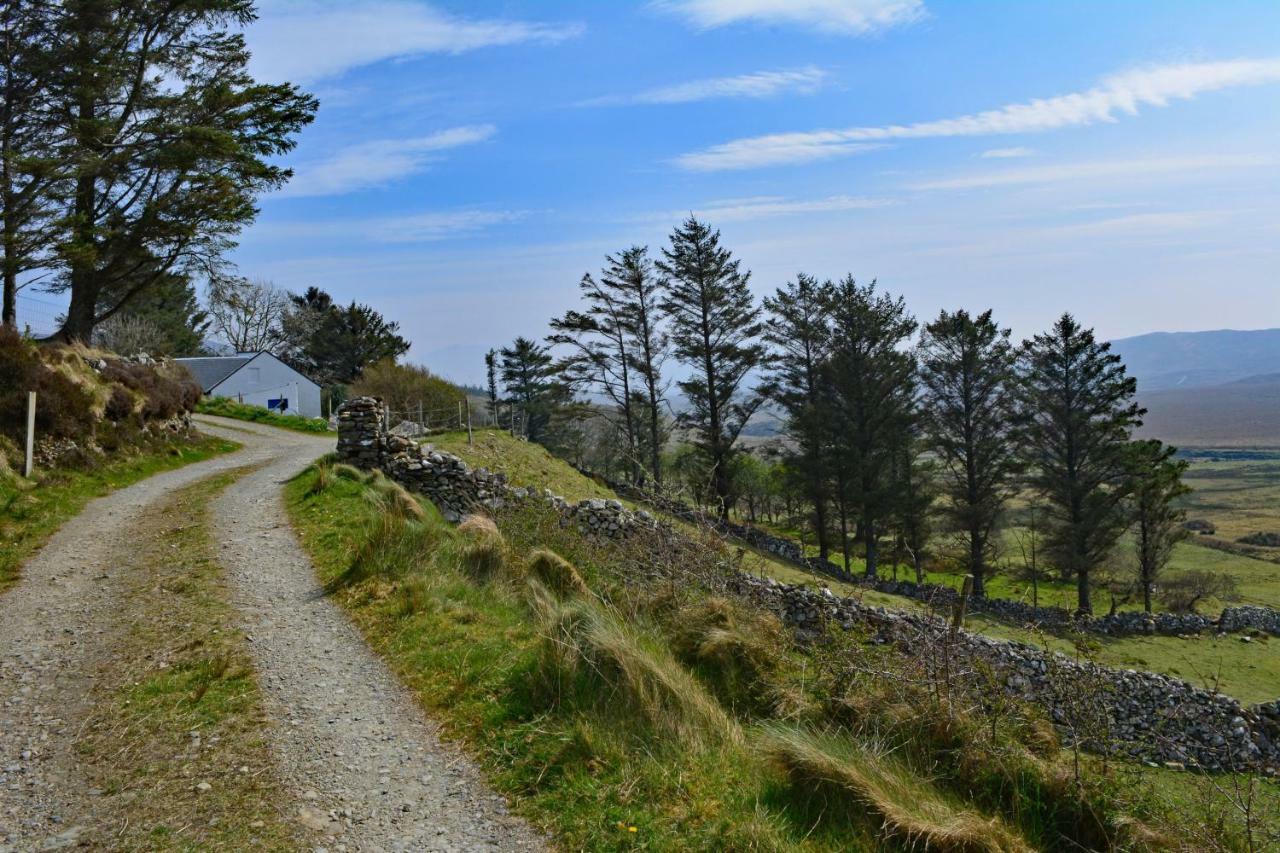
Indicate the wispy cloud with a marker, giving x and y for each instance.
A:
(768, 207)
(1062, 172)
(425, 227)
(761, 84)
(1143, 224)
(379, 162)
(1118, 94)
(308, 40)
(842, 17)
(1006, 153)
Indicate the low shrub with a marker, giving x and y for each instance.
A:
(64, 407)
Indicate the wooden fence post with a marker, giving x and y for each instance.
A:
(470, 438)
(31, 433)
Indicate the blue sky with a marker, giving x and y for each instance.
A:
(471, 160)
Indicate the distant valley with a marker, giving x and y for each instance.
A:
(1208, 389)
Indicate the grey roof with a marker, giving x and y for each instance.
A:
(210, 371)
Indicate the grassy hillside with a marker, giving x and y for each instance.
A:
(523, 462)
(1248, 671)
(622, 713)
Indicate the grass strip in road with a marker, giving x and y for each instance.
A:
(32, 510)
(177, 741)
(227, 408)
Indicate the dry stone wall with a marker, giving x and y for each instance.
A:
(1150, 716)
(1121, 624)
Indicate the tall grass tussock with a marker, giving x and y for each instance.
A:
(557, 574)
(850, 775)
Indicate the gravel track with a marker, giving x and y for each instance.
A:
(365, 765)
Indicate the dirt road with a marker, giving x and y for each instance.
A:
(361, 761)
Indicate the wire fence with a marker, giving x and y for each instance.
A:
(39, 318)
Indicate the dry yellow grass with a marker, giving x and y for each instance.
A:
(557, 574)
(585, 642)
(484, 554)
(911, 810)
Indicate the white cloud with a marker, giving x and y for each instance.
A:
(842, 17)
(761, 84)
(378, 162)
(426, 227)
(1005, 153)
(1138, 224)
(1117, 94)
(1111, 169)
(307, 40)
(768, 207)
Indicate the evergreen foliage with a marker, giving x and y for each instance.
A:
(799, 330)
(966, 376)
(1078, 408)
(715, 329)
(870, 384)
(534, 391)
(1157, 521)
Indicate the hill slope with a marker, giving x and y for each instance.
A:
(1164, 360)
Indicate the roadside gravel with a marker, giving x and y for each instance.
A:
(364, 766)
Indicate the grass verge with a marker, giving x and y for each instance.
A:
(32, 510)
(176, 742)
(224, 407)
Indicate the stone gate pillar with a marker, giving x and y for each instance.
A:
(360, 435)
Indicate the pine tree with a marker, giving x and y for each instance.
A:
(616, 350)
(914, 477)
(349, 339)
(32, 160)
(1078, 408)
(171, 141)
(799, 329)
(967, 378)
(491, 376)
(870, 382)
(534, 391)
(632, 273)
(714, 331)
(1156, 486)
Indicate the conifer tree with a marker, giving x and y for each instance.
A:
(533, 389)
(1157, 521)
(170, 142)
(32, 156)
(1078, 408)
(491, 377)
(715, 327)
(967, 379)
(616, 350)
(870, 379)
(799, 330)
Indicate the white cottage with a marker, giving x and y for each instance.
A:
(257, 378)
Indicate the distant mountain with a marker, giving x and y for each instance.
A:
(1243, 413)
(1164, 360)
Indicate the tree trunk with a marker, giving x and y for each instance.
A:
(869, 537)
(977, 566)
(1084, 605)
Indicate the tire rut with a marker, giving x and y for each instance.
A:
(365, 767)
